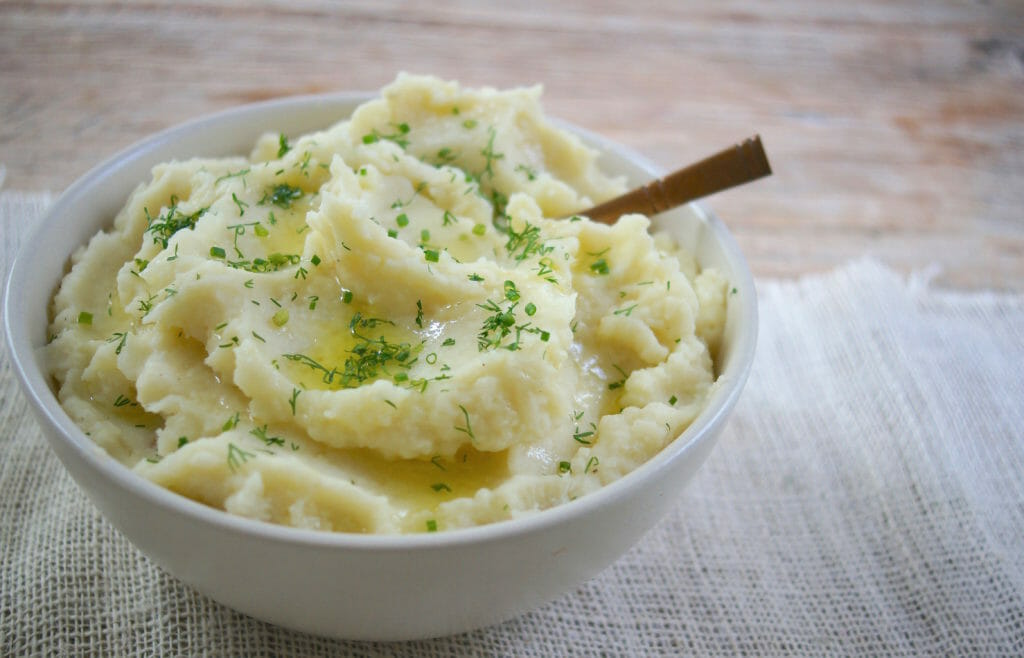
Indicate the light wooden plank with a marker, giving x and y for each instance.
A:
(896, 129)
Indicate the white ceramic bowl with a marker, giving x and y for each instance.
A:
(343, 585)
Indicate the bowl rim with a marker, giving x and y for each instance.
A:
(25, 364)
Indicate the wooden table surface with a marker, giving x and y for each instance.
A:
(895, 128)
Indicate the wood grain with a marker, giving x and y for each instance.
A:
(895, 129)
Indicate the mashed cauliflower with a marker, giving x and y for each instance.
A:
(389, 326)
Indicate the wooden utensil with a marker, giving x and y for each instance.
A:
(738, 164)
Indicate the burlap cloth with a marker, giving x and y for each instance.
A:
(866, 498)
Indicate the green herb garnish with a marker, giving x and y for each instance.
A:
(489, 155)
(230, 423)
(468, 429)
(283, 195)
(398, 136)
(170, 222)
(282, 146)
(237, 457)
(599, 266)
(526, 243)
(261, 434)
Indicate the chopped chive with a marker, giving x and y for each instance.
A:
(230, 423)
(625, 311)
(622, 382)
(242, 205)
(582, 437)
(468, 429)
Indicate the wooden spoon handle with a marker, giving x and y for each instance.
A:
(733, 166)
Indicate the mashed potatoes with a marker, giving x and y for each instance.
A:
(386, 327)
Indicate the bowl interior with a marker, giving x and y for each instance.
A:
(91, 203)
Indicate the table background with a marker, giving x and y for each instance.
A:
(895, 127)
(867, 496)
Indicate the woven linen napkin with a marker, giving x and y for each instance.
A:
(866, 498)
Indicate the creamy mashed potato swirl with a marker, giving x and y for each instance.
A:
(385, 327)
